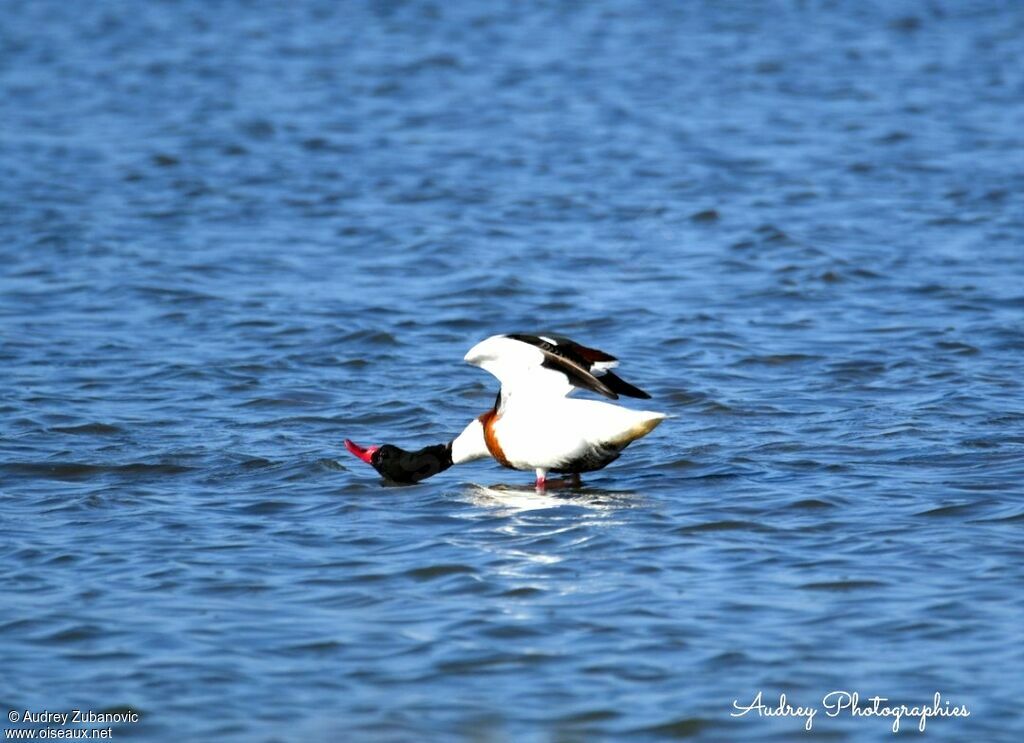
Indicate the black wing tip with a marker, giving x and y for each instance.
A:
(620, 385)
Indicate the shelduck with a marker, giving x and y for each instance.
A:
(534, 424)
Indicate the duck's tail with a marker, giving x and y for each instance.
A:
(645, 422)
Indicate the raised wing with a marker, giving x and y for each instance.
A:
(544, 364)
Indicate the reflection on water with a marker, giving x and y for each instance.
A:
(509, 499)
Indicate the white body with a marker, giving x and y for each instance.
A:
(550, 433)
(546, 434)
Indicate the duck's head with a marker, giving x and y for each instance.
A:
(401, 466)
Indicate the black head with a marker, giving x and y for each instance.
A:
(406, 467)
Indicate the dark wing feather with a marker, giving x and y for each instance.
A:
(617, 384)
(576, 362)
(587, 354)
(565, 360)
(592, 355)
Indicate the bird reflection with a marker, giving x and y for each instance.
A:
(515, 498)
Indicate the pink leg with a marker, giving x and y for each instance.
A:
(543, 483)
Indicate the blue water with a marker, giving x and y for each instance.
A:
(235, 234)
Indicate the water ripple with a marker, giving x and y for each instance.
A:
(228, 251)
